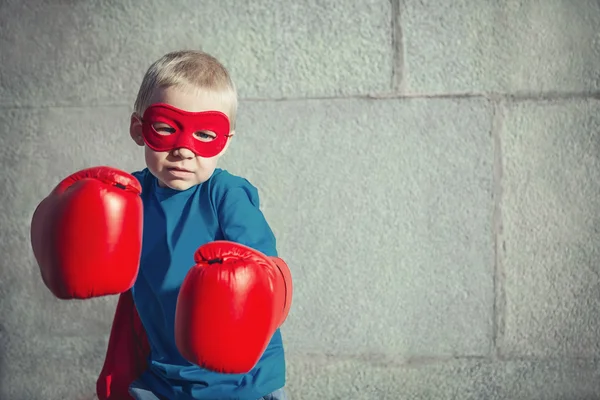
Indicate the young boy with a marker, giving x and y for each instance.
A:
(187, 202)
(191, 201)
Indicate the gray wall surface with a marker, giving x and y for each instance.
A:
(431, 169)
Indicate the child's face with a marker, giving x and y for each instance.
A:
(180, 168)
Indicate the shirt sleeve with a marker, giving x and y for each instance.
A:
(140, 175)
(243, 222)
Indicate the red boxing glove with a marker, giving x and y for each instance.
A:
(87, 234)
(229, 306)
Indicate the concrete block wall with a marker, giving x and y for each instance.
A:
(431, 169)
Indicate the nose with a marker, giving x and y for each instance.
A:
(183, 152)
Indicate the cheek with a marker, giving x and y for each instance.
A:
(207, 164)
(154, 159)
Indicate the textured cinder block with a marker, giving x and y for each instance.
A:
(56, 53)
(41, 146)
(49, 367)
(383, 210)
(500, 46)
(334, 379)
(551, 210)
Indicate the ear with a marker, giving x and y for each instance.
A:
(135, 129)
(231, 135)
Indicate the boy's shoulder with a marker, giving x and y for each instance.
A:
(144, 177)
(224, 178)
(222, 181)
(140, 175)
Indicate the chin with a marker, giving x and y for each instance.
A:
(180, 185)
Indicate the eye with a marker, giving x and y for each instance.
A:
(163, 129)
(205, 136)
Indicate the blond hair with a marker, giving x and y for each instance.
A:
(188, 69)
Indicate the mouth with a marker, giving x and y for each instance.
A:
(177, 169)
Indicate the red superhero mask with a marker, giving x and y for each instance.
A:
(166, 128)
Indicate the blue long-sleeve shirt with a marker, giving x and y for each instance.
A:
(176, 223)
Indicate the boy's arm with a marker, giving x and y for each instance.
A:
(243, 222)
(238, 293)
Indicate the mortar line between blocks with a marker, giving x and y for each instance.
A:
(539, 97)
(397, 47)
(497, 229)
(397, 360)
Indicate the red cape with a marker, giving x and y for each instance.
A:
(127, 353)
